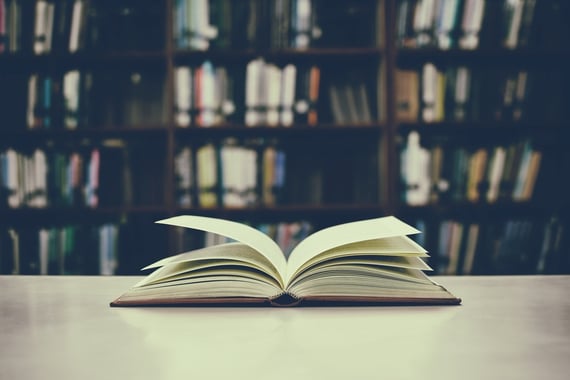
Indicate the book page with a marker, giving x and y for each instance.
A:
(342, 234)
(386, 248)
(237, 231)
(222, 255)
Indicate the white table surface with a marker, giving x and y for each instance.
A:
(506, 328)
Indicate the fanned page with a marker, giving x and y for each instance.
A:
(343, 234)
(237, 231)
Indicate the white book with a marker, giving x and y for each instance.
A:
(446, 22)
(416, 169)
(208, 95)
(288, 79)
(423, 21)
(254, 72)
(40, 178)
(12, 182)
(183, 95)
(198, 21)
(184, 173)
(272, 83)
(231, 175)
(471, 23)
(514, 24)
(302, 19)
(429, 92)
(75, 30)
(40, 27)
(71, 83)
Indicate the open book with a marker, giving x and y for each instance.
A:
(363, 262)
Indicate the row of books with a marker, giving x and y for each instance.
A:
(268, 94)
(230, 174)
(286, 234)
(40, 179)
(511, 246)
(41, 105)
(470, 24)
(68, 26)
(490, 173)
(461, 93)
(272, 24)
(41, 25)
(285, 23)
(272, 95)
(79, 98)
(108, 174)
(349, 101)
(72, 249)
(207, 95)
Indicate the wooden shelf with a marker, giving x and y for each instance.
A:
(484, 57)
(27, 137)
(92, 59)
(322, 213)
(483, 210)
(299, 130)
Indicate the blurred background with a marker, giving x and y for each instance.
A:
(288, 115)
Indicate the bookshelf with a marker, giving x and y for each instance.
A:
(305, 94)
(118, 93)
(490, 116)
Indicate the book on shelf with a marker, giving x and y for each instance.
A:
(364, 262)
(59, 250)
(349, 101)
(469, 24)
(307, 95)
(238, 174)
(191, 26)
(207, 162)
(415, 171)
(458, 93)
(484, 173)
(406, 96)
(272, 93)
(232, 173)
(500, 245)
